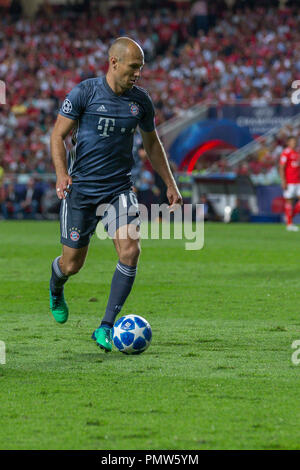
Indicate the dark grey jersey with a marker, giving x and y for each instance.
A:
(101, 159)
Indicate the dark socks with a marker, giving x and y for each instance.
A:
(58, 279)
(121, 285)
(107, 324)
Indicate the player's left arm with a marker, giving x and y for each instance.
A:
(157, 156)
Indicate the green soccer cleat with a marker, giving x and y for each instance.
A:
(103, 337)
(59, 307)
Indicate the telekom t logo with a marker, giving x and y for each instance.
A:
(106, 126)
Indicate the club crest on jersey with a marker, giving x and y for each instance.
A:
(134, 109)
(74, 235)
(67, 106)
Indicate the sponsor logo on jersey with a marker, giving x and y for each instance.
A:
(67, 106)
(74, 235)
(134, 109)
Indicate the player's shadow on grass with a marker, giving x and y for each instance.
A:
(101, 356)
(279, 275)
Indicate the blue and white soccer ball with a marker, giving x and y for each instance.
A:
(132, 334)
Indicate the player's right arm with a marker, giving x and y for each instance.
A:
(62, 127)
(69, 114)
(282, 164)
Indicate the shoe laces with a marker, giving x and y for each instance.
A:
(108, 333)
(56, 301)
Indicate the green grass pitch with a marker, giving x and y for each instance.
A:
(218, 374)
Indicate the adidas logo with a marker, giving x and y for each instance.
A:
(102, 108)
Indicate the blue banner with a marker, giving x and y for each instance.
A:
(256, 119)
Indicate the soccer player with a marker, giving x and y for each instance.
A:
(103, 114)
(289, 169)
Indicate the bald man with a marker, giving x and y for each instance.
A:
(104, 114)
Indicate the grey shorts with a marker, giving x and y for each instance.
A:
(80, 214)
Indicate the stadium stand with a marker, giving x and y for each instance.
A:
(245, 53)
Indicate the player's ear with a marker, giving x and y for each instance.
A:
(114, 62)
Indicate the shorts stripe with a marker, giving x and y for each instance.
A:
(66, 215)
(64, 219)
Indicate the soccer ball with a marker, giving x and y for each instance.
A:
(132, 334)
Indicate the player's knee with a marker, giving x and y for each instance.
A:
(72, 267)
(130, 254)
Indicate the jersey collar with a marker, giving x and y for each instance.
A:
(111, 92)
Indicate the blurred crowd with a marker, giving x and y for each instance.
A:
(199, 53)
(261, 165)
(31, 198)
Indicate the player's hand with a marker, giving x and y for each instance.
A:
(63, 184)
(284, 185)
(174, 197)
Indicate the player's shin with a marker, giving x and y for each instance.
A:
(288, 210)
(296, 208)
(121, 286)
(58, 279)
